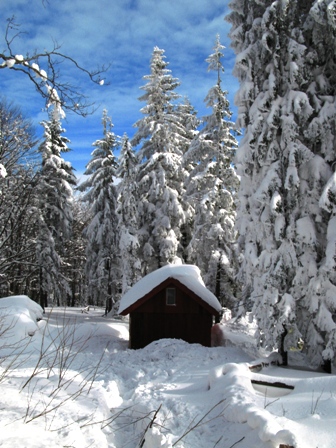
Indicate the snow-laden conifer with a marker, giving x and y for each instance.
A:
(52, 286)
(161, 137)
(57, 178)
(74, 257)
(211, 189)
(102, 263)
(320, 299)
(190, 122)
(128, 216)
(56, 196)
(284, 164)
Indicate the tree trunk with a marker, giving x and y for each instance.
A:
(326, 366)
(218, 282)
(42, 294)
(282, 351)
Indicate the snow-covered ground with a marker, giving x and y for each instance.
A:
(70, 380)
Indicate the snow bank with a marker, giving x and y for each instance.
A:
(233, 381)
(19, 318)
(188, 275)
(16, 435)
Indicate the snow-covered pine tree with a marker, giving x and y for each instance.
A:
(55, 195)
(52, 286)
(74, 257)
(161, 137)
(191, 122)
(57, 178)
(102, 252)
(319, 328)
(128, 216)
(211, 189)
(281, 164)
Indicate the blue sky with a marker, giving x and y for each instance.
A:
(122, 33)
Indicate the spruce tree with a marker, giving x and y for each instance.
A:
(53, 288)
(55, 197)
(161, 139)
(102, 252)
(74, 257)
(211, 189)
(128, 216)
(283, 53)
(319, 303)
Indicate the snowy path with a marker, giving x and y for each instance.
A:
(174, 375)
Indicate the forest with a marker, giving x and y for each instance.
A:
(250, 202)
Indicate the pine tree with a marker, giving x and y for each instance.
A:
(74, 258)
(52, 286)
(211, 188)
(190, 122)
(283, 167)
(128, 216)
(55, 196)
(162, 137)
(319, 303)
(102, 253)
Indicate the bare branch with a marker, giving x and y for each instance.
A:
(11, 25)
(41, 69)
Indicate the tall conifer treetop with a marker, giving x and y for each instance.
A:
(161, 139)
(128, 216)
(102, 264)
(211, 189)
(56, 198)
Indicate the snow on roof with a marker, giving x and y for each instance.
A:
(187, 274)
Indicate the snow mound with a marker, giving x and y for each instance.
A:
(19, 318)
(233, 381)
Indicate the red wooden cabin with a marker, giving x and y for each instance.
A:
(171, 302)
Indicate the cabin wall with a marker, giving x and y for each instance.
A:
(155, 320)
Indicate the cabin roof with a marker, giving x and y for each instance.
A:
(187, 275)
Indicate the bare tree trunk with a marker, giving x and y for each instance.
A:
(282, 351)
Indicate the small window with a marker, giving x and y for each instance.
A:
(170, 296)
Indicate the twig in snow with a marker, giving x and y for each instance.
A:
(238, 441)
(316, 402)
(150, 424)
(217, 441)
